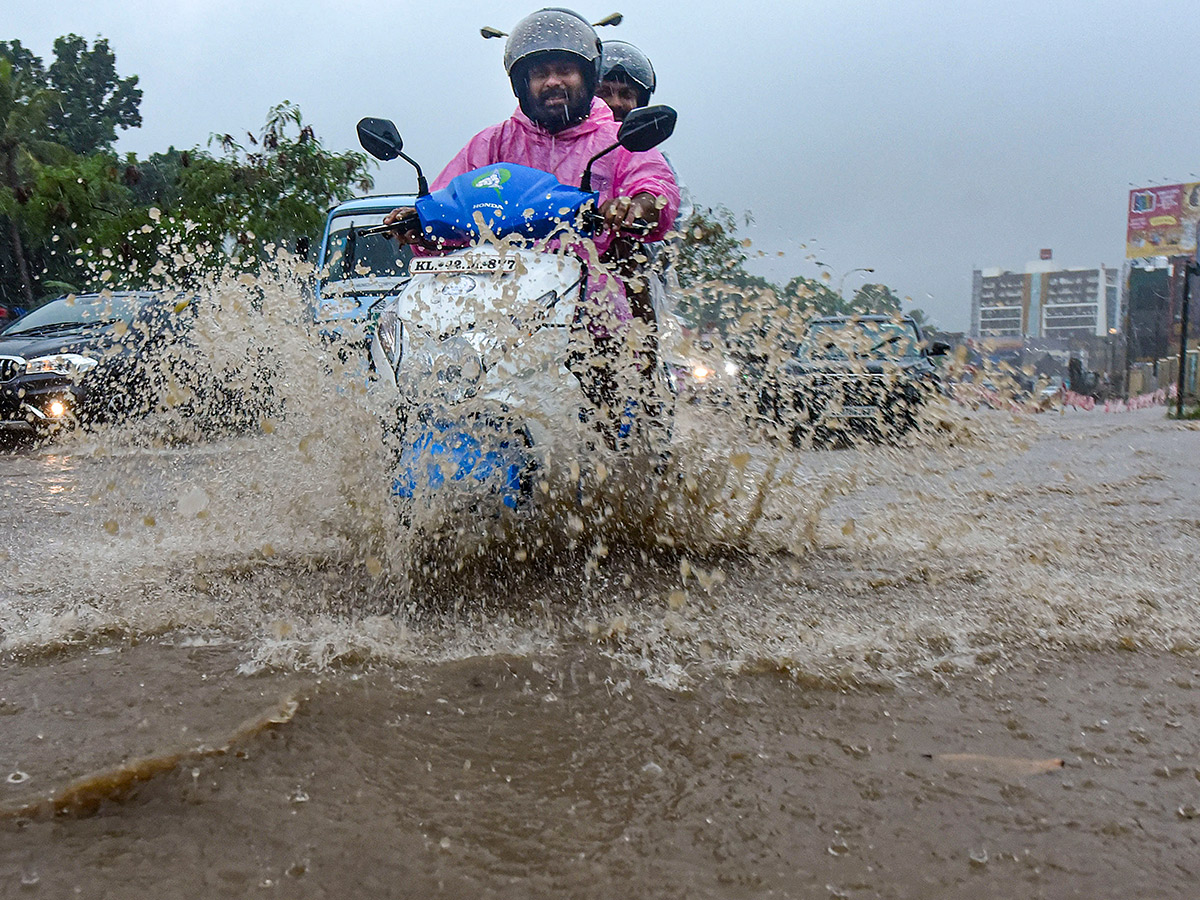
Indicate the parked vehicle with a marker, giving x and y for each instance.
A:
(478, 345)
(354, 270)
(113, 356)
(852, 377)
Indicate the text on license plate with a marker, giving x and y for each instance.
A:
(471, 265)
(856, 412)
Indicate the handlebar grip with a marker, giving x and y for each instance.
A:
(410, 222)
(594, 223)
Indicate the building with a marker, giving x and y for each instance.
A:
(1043, 302)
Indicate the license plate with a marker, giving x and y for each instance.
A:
(856, 412)
(461, 265)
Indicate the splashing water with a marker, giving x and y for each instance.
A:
(270, 521)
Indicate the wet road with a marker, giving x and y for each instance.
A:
(856, 677)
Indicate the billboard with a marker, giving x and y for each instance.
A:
(1162, 221)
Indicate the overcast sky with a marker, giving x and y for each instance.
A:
(919, 139)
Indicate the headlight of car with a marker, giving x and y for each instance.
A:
(73, 365)
(391, 335)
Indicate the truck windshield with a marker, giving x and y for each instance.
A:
(860, 338)
(374, 255)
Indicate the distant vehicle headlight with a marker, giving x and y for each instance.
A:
(731, 368)
(701, 372)
(73, 365)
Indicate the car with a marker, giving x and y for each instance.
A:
(852, 377)
(112, 356)
(699, 373)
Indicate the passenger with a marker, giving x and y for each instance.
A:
(626, 78)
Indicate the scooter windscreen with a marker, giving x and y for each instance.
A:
(511, 199)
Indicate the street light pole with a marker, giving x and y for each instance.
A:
(842, 283)
(1190, 268)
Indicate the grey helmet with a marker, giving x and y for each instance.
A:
(547, 30)
(621, 61)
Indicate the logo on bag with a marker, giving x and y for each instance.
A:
(493, 179)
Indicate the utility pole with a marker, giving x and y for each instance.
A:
(1190, 268)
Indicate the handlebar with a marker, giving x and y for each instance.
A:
(594, 222)
(408, 223)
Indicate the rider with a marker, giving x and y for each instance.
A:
(553, 62)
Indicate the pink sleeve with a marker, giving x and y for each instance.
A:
(648, 172)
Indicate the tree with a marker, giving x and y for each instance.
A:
(24, 109)
(711, 264)
(274, 193)
(809, 297)
(875, 299)
(194, 211)
(93, 100)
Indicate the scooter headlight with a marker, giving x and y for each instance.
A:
(458, 368)
(391, 335)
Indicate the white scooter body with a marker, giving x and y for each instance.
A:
(490, 326)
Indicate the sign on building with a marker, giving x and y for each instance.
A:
(1162, 221)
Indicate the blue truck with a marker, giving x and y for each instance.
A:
(354, 272)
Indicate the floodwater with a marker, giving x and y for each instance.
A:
(967, 666)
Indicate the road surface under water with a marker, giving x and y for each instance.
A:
(965, 667)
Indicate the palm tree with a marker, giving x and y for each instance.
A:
(23, 114)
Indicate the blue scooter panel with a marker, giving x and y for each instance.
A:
(444, 451)
(511, 199)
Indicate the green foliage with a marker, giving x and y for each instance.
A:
(711, 265)
(24, 111)
(718, 292)
(274, 193)
(74, 215)
(875, 298)
(93, 100)
(193, 211)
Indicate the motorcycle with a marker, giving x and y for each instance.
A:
(484, 348)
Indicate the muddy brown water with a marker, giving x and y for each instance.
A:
(858, 683)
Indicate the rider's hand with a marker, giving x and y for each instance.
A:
(620, 213)
(409, 236)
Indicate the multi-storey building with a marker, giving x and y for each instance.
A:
(1044, 303)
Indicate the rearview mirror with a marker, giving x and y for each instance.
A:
(646, 127)
(380, 138)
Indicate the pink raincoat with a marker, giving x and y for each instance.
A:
(565, 155)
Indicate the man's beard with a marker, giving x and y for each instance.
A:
(556, 118)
